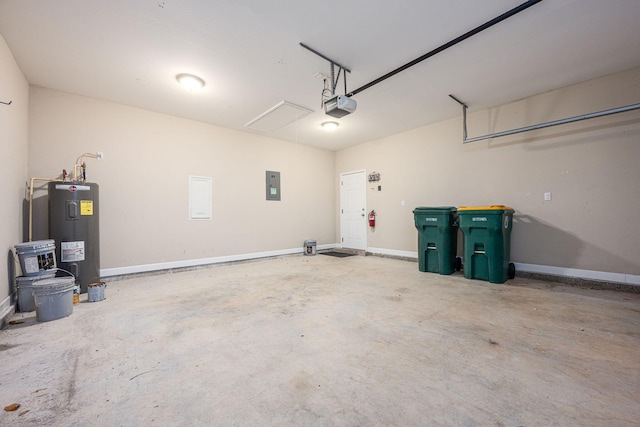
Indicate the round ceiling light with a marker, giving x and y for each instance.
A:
(330, 126)
(190, 82)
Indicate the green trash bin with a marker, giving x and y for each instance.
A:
(487, 242)
(437, 239)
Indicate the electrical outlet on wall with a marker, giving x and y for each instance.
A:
(547, 196)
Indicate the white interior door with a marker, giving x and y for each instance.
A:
(353, 205)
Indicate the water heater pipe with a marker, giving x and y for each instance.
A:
(80, 163)
(98, 155)
(31, 201)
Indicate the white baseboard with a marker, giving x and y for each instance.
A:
(393, 252)
(629, 279)
(145, 268)
(5, 307)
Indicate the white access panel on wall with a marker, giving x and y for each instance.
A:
(200, 197)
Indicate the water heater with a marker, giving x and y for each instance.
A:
(73, 224)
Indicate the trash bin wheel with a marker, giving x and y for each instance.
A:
(458, 264)
(511, 271)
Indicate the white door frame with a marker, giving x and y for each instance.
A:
(355, 220)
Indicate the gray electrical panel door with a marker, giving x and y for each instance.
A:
(273, 185)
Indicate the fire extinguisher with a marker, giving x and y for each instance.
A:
(372, 218)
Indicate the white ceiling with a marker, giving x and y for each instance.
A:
(248, 52)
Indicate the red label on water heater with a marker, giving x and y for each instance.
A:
(73, 188)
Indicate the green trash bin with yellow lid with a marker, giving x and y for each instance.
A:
(486, 234)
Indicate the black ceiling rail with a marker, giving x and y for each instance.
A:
(310, 49)
(334, 78)
(447, 45)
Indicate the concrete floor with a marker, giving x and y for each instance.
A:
(320, 340)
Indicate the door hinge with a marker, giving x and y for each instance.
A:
(343, 240)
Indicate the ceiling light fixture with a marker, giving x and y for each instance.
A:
(330, 126)
(190, 82)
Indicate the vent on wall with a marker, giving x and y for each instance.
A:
(278, 116)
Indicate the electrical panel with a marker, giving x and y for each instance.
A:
(273, 185)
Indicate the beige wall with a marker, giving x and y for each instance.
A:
(592, 169)
(144, 181)
(13, 166)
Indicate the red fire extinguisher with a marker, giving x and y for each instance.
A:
(372, 218)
